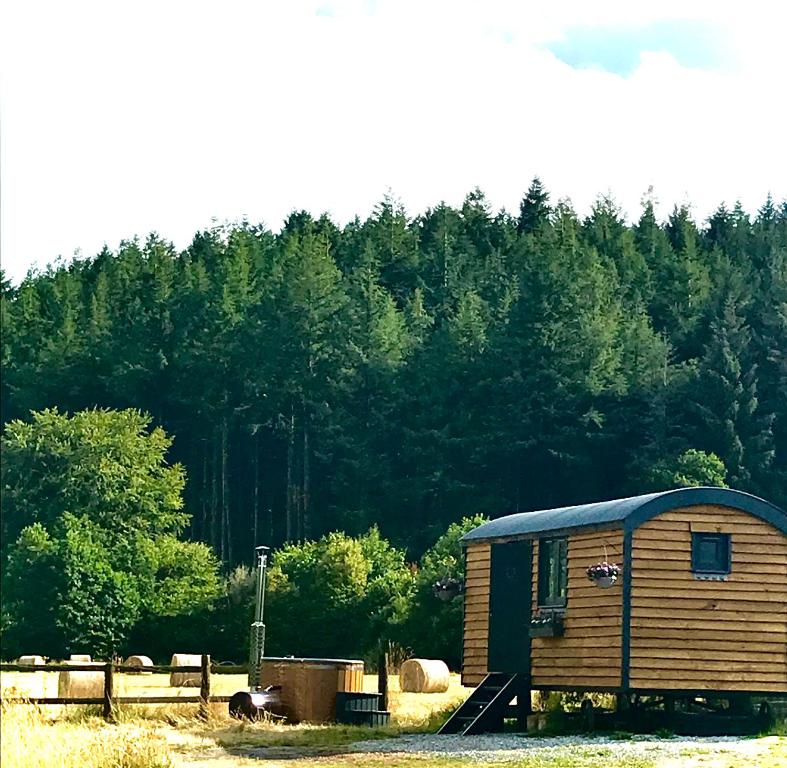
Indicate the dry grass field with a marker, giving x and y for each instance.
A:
(408, 709)
(171, 736)
(45, 684)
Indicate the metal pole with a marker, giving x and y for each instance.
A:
(262, 563)
(257, 637)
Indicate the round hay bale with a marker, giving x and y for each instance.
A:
(81, 684)
(36, 661)
(81, 658)
(424, 676)
(188, 679)
(139, 663)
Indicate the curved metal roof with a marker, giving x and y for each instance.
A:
(627, 513)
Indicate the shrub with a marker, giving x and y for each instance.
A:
(91, 515)
(690, 468)
(338, 596)
(433, 628)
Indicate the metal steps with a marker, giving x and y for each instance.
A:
(484, 709)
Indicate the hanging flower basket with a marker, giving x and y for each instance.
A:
(604, 574)
(447, 589)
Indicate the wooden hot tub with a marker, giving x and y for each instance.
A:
(309, 686)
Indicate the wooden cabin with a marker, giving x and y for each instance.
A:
(700, 604)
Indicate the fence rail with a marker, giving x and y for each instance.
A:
(109, 701)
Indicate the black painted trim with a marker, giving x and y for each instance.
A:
(696, 540)
(625, 640)
(464, 618)
(555, 533)
(722, 693)
(542, 600)
(529, 640)
(577, 688)
(683, 497)
(723, 497)
(705, 692)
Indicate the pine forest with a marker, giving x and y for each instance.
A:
(407, 371)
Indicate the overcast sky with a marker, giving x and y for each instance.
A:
(121, 118)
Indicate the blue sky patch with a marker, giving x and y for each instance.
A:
(694, 44)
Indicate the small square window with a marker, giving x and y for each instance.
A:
(711, 553)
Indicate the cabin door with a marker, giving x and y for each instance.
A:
(510, 594)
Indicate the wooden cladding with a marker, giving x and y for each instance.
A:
(685, 633)
(476, 614)
(708, 635)
(589, 653)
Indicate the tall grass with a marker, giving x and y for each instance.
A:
(29, 739)
(77, 737)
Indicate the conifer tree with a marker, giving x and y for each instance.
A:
(732, 423)
(534, 209)
(407, 372)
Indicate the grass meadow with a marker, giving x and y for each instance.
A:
(168, 735)
(172, 735)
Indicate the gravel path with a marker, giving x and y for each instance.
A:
(510, 747)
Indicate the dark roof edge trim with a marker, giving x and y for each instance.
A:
(723, 497)
(551, 533)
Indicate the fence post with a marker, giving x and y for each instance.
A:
(382, 678)
(109, 690)
(204, 686)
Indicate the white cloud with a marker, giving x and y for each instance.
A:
(121, 118)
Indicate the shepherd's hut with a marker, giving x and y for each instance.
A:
(678, 593)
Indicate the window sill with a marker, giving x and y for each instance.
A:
(552, 606)
(550, 626)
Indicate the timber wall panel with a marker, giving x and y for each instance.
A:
(476, 614)
(708, 635)
(589, 652)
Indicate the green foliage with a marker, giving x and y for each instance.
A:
(691, 469)
(98, 604)
(338, 596)
(32, 579)
(90, 515)
(534, 209)
(725, 398)
(433, 629)
(228, 615)
(401, 371)
(102, 464)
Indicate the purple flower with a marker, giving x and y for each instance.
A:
(603, 569)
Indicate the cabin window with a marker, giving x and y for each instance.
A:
(711, 553)
(552, 572)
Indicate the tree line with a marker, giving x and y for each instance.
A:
(92, 561)
(406, 372)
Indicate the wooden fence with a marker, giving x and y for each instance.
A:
(109, 700)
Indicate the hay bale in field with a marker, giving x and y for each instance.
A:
(81, 658)
(139, 663)
(424, 676)
(189, 679)
(32, 660)
(81, 684)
